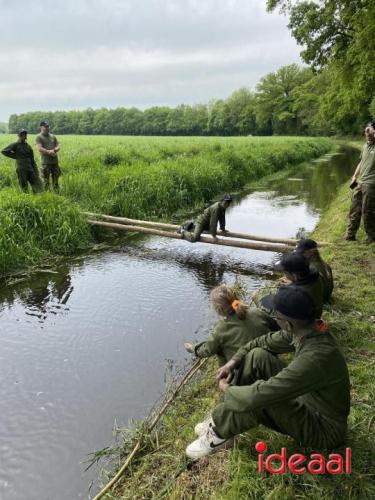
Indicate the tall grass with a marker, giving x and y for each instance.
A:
(135, 177)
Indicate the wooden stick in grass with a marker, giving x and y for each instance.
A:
(193, 370)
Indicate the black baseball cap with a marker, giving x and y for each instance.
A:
(44, 124)
(292, 262)
(292, 301)
(22, 131)
(371, 123)
(227, 197)
(306, 244)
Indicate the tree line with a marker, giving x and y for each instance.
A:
(333, 95)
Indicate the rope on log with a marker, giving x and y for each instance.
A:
(174, 227)
(196, 366)
(203, 239)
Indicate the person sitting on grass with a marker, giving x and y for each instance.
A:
(309, 250)
(208, 221)
(308, 400)
(296, 271)
(239, 325)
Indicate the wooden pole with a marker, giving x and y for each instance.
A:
(203, 239)
(174, 227)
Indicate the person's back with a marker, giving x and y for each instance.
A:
(231, 333)
(313, 285)
(325, 273)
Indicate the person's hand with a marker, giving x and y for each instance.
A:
(226, 371)
(223, 385)
(354, 178)
(254, 294)
(52, 152)
(189, 347)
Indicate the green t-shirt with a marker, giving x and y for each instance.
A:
(48, 141)
(367, 165)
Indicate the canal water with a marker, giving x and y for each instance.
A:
(93, 342)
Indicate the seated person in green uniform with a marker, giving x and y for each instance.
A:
(296, 270)
(239, 325)
(309, 399)
(309, 249)
(208, 221)
(27, 171)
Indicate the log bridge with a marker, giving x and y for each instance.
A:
(231, 239)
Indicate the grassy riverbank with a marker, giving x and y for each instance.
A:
(144, 177)
(160, 469)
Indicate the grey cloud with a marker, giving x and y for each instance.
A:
(68, 55)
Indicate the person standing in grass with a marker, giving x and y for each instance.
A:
(26, 168)
(48, 147)
(308, 400)
(208, 221)
(309, 249)
(239, 325)
(363, 185)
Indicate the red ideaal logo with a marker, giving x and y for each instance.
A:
(299, 463)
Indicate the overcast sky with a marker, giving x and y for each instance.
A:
(74, 54)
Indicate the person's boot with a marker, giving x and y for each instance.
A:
(202, 427)
(349, 237)
(207, 443)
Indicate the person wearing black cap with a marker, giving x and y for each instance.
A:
(48, 147)
(26, 168)
(309, 249)
(309, 399)
(207, 221)
(363, 185)
(296, 269)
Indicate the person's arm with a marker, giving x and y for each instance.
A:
(222, 220)
(57, 145)
(278, 342)
(300, 377)
(32, 158)
(9, 151)
(211, 346)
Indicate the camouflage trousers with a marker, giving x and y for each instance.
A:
(363, 205)
(293, 417)
(29, 175)
(51, 171)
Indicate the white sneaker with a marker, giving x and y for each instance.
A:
(202, 427)
(206, 444)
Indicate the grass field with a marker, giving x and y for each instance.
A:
(160, 470)
(143, 177)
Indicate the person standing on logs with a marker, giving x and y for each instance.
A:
(26, 168)
(239, 325)
(48, 147)
(309, 249)
(208, 221)
(363, 185)
(308, 400)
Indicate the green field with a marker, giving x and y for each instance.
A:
(142, 177)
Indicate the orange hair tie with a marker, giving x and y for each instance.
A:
(323, 327)
(235, 304)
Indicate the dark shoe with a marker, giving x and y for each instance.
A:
(350, 238)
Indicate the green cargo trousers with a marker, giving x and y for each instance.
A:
(194, 235)
(51, 171)
(293, 417)
(363, 204)
(28, 175)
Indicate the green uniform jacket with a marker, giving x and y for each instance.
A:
(209, 219)
(325, 273)
(232, 333)
(22, 152)
(317, 377)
